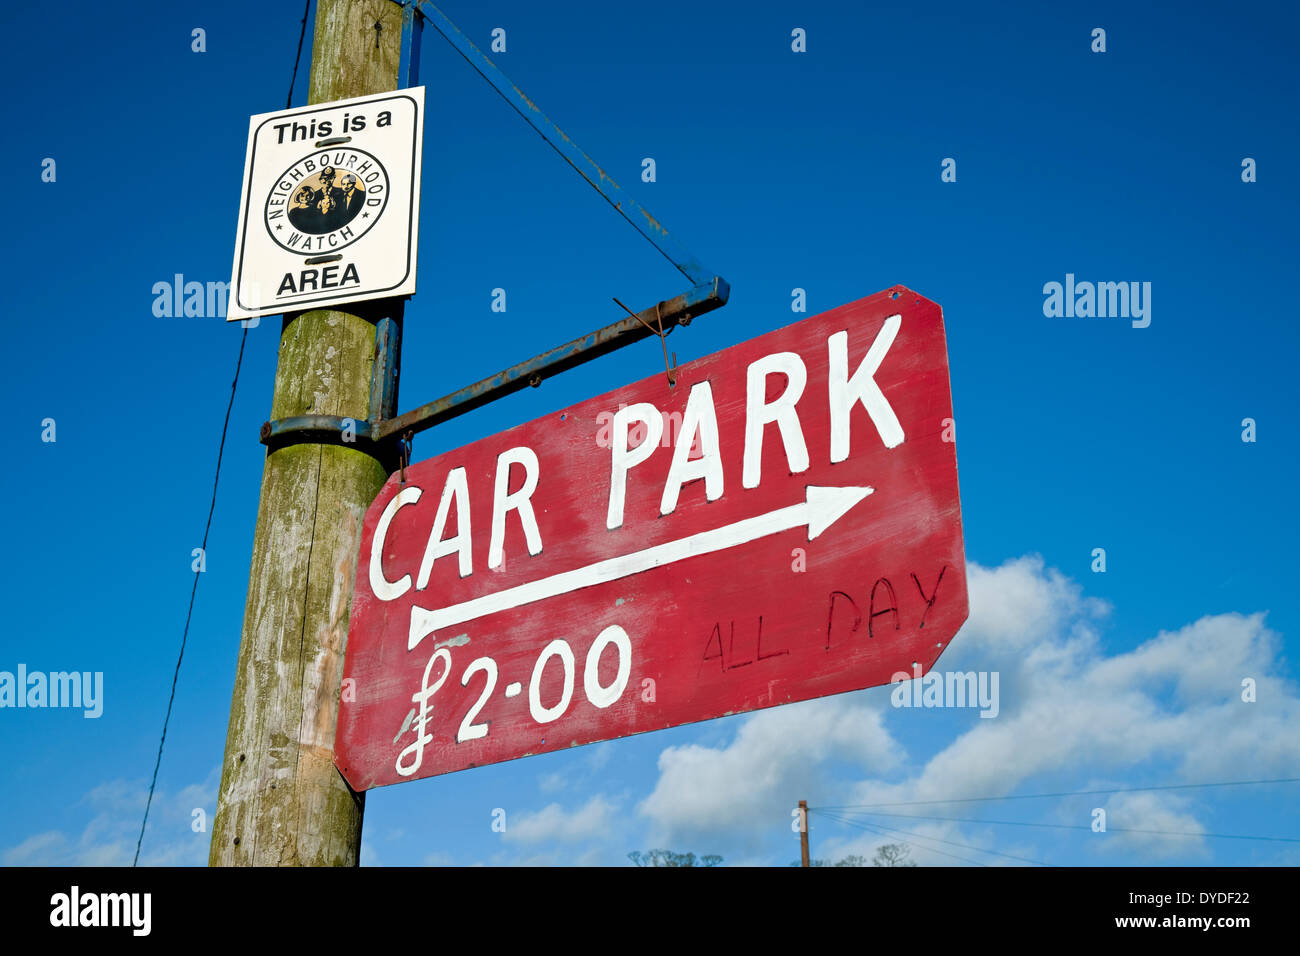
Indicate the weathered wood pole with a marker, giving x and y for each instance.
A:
(803, 834)
(282, 802)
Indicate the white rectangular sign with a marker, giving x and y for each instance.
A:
(330, 207)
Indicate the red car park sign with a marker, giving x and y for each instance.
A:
(781, 524)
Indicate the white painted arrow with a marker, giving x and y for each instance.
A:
(821, 508)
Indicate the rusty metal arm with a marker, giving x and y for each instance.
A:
(380, 430)
(674, 312)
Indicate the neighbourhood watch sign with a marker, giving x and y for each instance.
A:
(329, 211)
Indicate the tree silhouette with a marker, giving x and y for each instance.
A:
(670, 858)
(892, 854)
(888, 854)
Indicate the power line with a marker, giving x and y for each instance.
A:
(878, 830)
(212, 507)
(193, 590)
(306, 8)
(1065, 793)
(1009, 856)
(1076, 826)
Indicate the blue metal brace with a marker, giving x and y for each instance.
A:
(408, 67)
(627, 207)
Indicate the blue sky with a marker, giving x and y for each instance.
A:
(818, 170)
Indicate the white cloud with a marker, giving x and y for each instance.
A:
(1015, 606)
(596, 819)
(748, 786)
(599, 754)
(1175, 698)
(1161, 816)
(109, 837)
(40, 849)
(552, 782)
(1169, 708)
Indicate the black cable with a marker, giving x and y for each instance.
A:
(1067, 793)
(189, 613)
(306, 8)
(870, 828)
(964, 846)
(293, 78)
(1078, 826)
(618, 206)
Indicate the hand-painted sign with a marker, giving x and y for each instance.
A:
(782, 524)
(330, 206)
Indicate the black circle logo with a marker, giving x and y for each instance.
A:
(327, 200)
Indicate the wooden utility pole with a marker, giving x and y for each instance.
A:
(282, 802)
(803, 834)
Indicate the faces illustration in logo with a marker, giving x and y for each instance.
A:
(326, 201)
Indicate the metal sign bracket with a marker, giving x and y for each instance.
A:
(383, 429)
